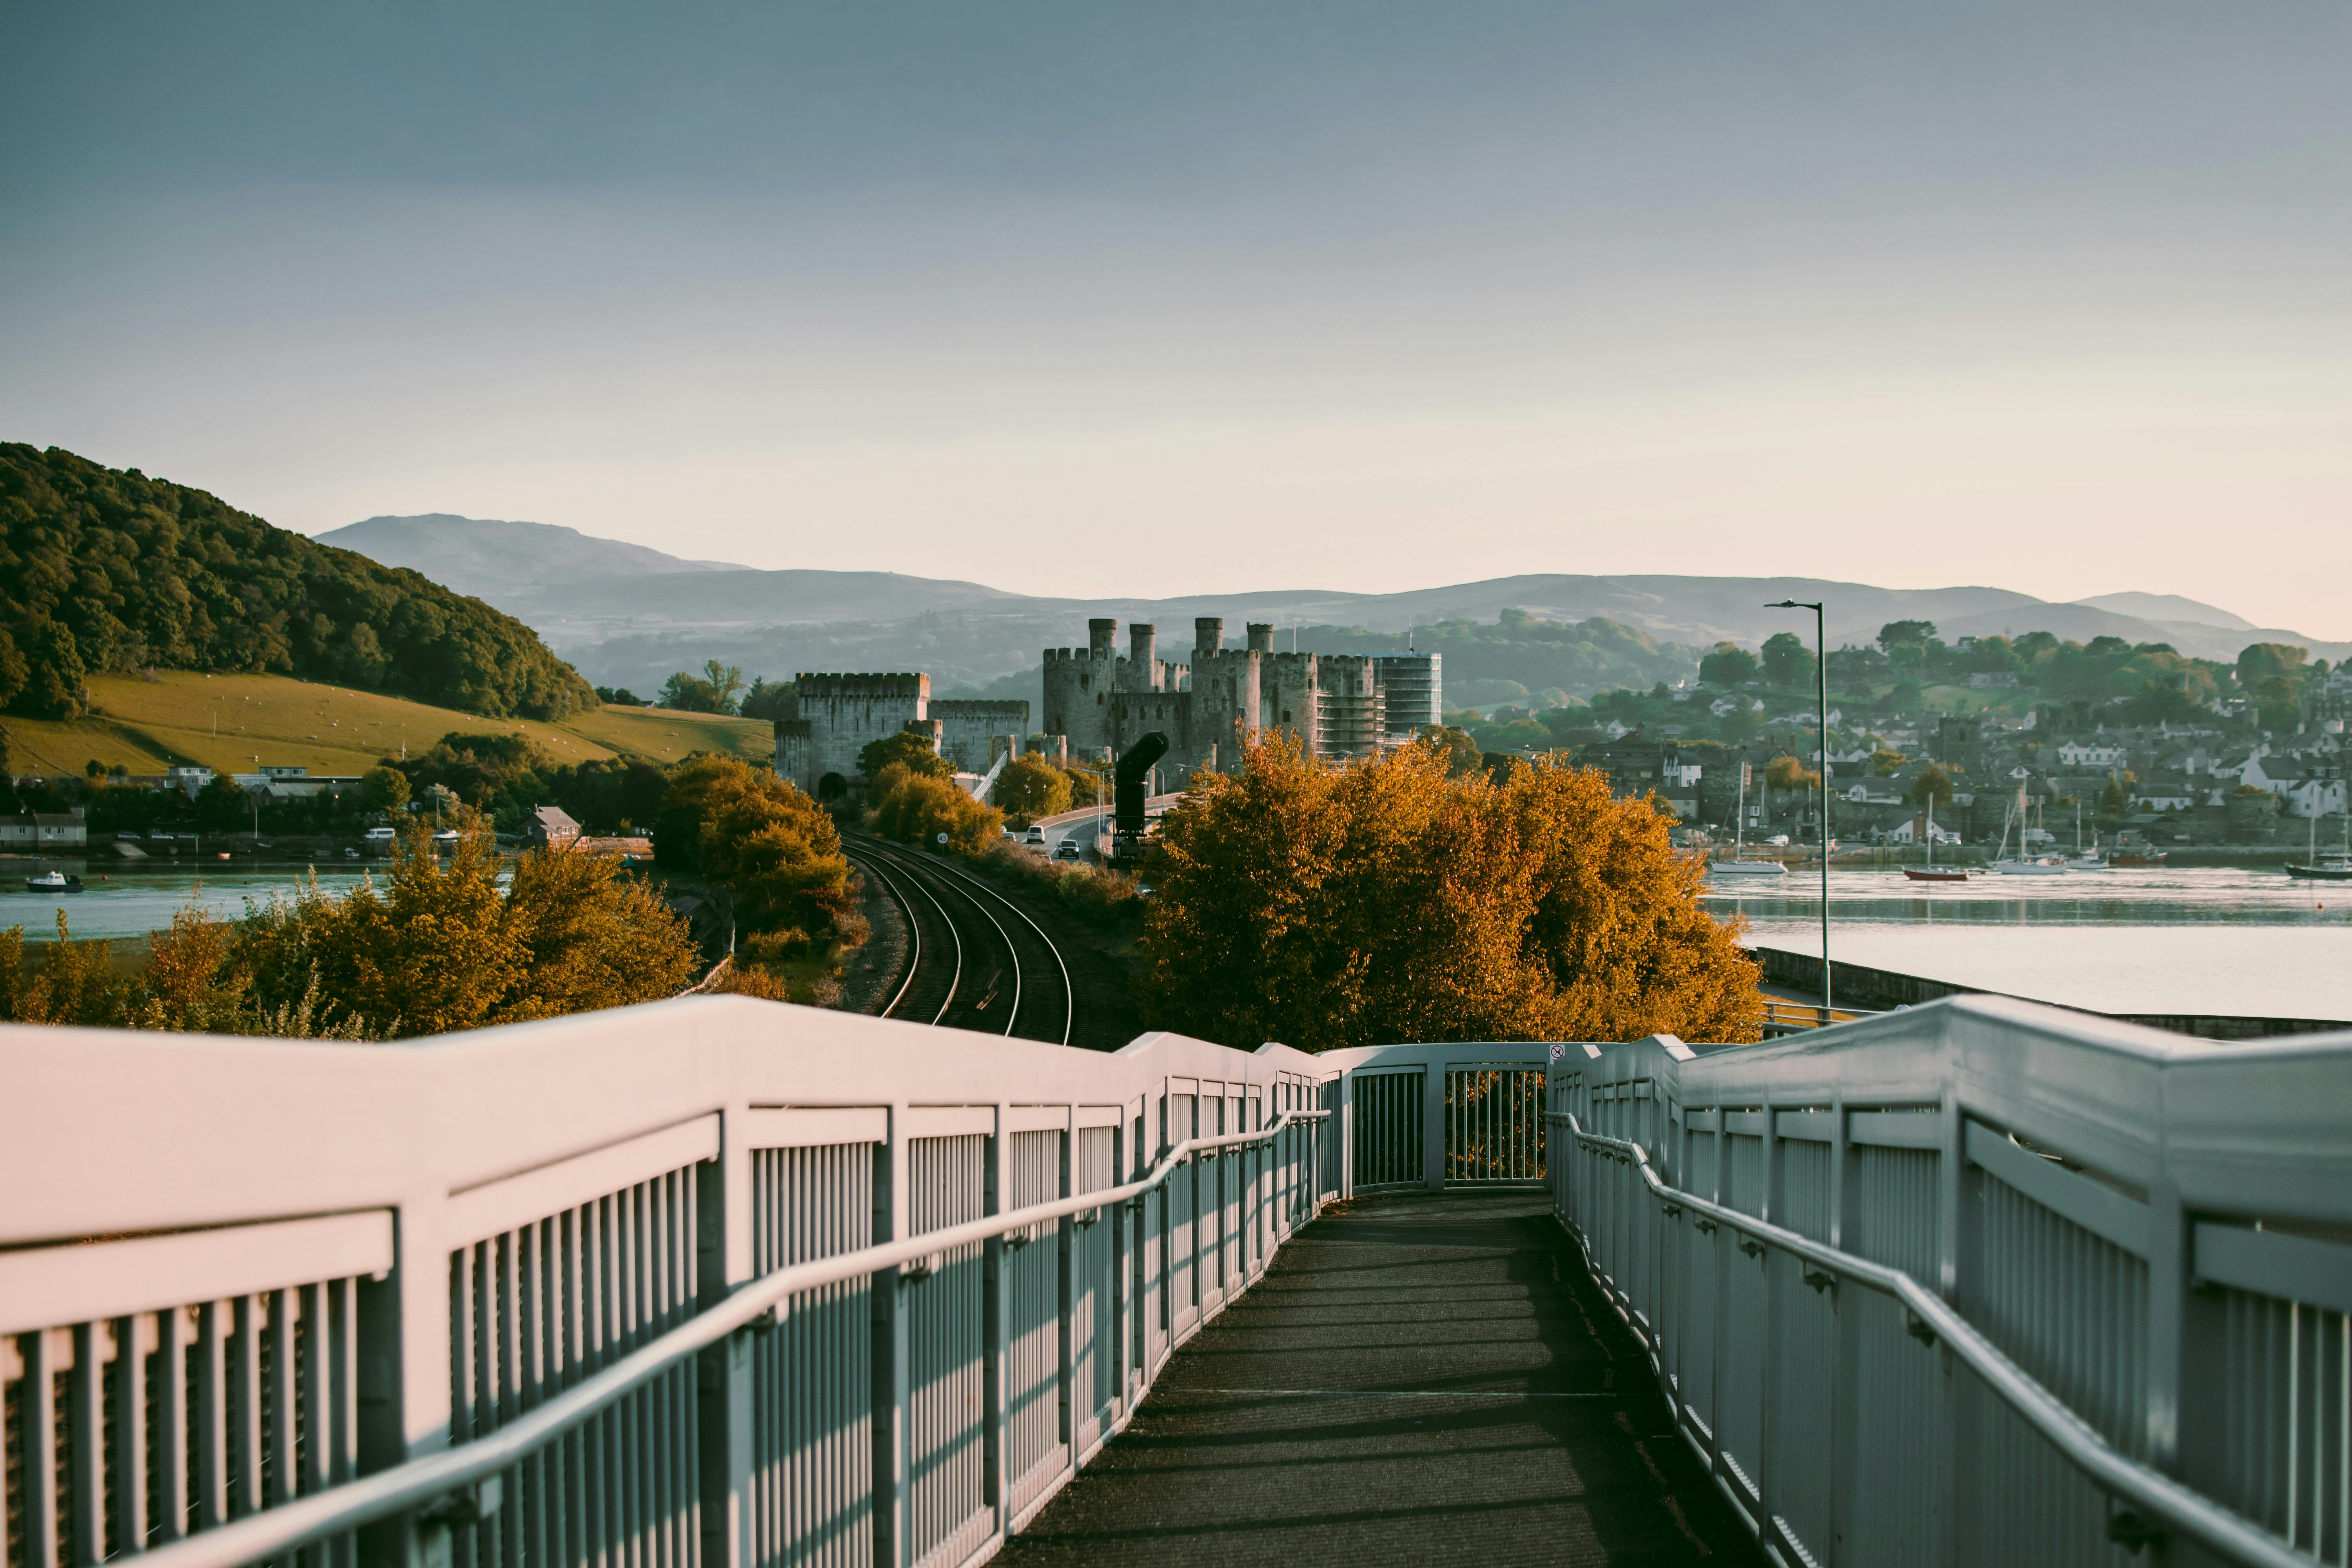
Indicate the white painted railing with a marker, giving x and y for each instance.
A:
(1984, 1282)
(706, 1281)
(716, 1280)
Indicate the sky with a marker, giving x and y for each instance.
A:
(1126, 300)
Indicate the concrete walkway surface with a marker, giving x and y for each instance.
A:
(1418, 1379)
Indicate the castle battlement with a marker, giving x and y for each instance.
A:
(836, 687)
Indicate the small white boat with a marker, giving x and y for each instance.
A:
(53, 882)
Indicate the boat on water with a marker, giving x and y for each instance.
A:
(1738, 864)
(2093, 860)
(1928, 873)
(2021, 864)
(2335, 866)
(53, 882)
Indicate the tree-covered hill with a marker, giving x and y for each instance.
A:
(105, 569)
(1516, 647)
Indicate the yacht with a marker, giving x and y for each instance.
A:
(1738, 866)
(53, 882)
(2334, 866)
(2021, 864)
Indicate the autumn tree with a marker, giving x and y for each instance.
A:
(1462, 753)
(442, 947)
(774, 849)
(1933, 787)
(917, 808)
(1031, 787)
(913, 751)
(1385, 901)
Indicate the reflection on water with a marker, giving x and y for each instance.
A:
(2215, 895)
(132, 903)
(2206, 940)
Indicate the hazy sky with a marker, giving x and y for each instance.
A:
(1188, 298)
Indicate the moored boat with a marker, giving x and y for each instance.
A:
(2335, 866)
(53, 882)
(1928, 873)
(1738, 864)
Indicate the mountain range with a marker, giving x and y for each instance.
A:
(627, 614)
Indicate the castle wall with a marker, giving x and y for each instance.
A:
(1078, 685)
(1226, 690)
(1192, 742)
(1290, 702)
(966, 727)
(835, 716)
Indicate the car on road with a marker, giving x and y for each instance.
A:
(1067, 849)
(1035, 838)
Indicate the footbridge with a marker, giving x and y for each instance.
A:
(715, 1281)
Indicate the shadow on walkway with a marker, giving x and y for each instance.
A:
(1418, 1379)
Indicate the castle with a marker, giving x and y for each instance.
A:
(829, 718)
(1337, 705)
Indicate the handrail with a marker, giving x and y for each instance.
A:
(2186, 1510)
(275, 1530)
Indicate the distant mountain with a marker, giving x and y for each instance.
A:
(489, 557)
(2168, 607)
(627, 614)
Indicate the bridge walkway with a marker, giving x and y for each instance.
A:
(1418, 1378)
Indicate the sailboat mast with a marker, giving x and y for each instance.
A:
(1739, 818)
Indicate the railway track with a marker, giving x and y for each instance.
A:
(974, 958)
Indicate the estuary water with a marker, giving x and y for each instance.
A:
(134, 902)
(2203, 940)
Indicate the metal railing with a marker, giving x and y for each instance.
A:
(708, 1280)
(1987, 1282)
(714, 1281)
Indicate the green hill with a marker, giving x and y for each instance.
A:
(107, 570)
(236, 723)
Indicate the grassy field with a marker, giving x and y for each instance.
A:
(665, 735)
(235, 724)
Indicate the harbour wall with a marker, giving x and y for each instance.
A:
(1861, 983)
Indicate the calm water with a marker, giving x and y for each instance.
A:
(2207, 939)
(2212, 941)
(132, 903)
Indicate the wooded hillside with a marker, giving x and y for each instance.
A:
(104, 569)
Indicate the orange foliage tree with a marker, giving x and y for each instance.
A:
(1384, 901)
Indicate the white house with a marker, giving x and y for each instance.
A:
(2081, 754)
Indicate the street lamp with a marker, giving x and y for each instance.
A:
(1822, 674)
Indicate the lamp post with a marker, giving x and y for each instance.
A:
(1822, 674)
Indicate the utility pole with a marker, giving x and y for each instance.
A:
(1821, 677)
